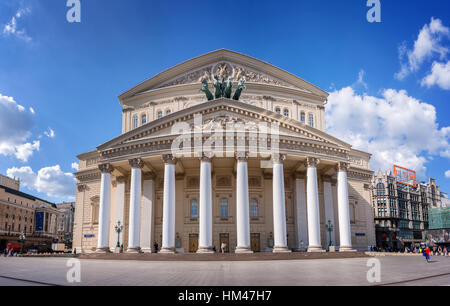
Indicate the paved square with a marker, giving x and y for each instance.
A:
(353, 271)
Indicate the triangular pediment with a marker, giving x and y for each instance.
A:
(224, 63)
(219, 113)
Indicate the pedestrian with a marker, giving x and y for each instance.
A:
(222, 247)
(155, 247)
(426, 253)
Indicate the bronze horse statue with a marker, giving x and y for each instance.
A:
(206, 90)
(239, 89)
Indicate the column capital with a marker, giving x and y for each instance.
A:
(169, 159)
(342, 167)
(136, 163)
(81, 187)
(278, 158)
(242, 156)
(106, 168)
(312, 162)
(206, 158)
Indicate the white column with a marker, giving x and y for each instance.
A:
(329, 209)
(168, 232)
(120, 207)
(345, 232)
(301, 221)
(315, 244)
(134, 228)
(242, 207)
(105, 208)
(279, 206)
(205, 236)
(147, 231)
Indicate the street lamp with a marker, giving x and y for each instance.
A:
(21, 240)
(119, 229)
(330, 229)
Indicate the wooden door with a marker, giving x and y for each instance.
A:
(255, 242)
(225, 238)
(193, 243)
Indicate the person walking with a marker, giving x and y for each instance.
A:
(222, 247)
(426, 253)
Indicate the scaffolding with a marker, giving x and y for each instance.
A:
(439, 218)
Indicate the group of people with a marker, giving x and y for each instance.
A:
(437, 251)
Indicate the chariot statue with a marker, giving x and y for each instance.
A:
(223, 89)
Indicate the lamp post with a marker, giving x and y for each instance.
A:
(21, 240)
(119, 229)
(330, 229)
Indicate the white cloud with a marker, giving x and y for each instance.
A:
(24, 151)
(75, 166)
(360, 81)
(395, 128)
(447, 174)
(51, 181)
(11, 27)
(428, 43)
(15, 130)
(440, 75)
(50, 133)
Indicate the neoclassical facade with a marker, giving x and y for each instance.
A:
(258, 174)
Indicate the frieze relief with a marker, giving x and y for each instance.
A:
(224, 70)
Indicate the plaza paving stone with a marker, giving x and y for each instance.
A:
(327, 271)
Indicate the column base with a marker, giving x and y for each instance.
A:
(346, 249)
(205, 250)
(281, 249)
(134, 250)
(146, 250)
(103, 250)
(243, 250)
(315, 249)
(167, 250)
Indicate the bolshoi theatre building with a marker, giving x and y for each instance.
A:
(197, 167)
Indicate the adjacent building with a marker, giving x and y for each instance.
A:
(65, 222)
(41, 221)
(402, 211)
(282, 200)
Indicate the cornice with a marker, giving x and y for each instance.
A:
(232, 107)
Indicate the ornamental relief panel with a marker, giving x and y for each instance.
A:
(225, 70)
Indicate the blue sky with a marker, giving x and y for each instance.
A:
(59, 81)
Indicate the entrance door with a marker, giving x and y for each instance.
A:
(193, 243)
(255, 242)
(226, 239)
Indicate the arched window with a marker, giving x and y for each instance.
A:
(135, 121)
(311, 120)
(160, 114)
(286, 113)
(224, 208)
(254, 208)
(278, 110)
(144, 119)
(194, 208)
(303, 117)
(168, 112)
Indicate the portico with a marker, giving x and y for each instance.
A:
(194, 170)
(142, 191)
